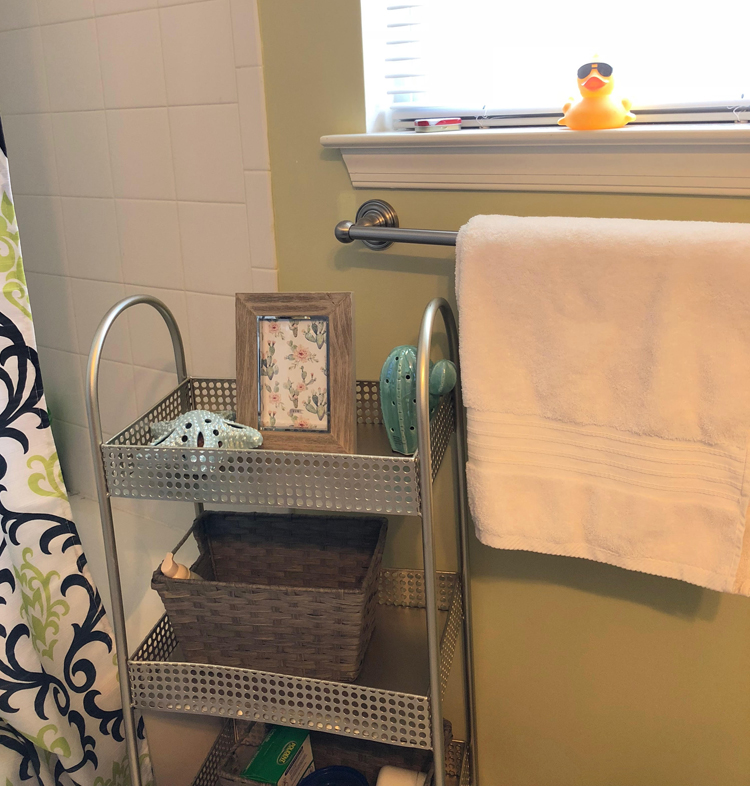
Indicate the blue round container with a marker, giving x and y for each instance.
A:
(335, 776)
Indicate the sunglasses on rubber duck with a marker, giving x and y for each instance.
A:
(602, 68)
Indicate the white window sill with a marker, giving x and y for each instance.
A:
(678, 159)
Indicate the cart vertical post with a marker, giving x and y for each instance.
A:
(105, 505)
(430, 568)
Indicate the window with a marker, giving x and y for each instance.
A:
(514, 63)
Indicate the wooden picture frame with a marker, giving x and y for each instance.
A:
(302, 336)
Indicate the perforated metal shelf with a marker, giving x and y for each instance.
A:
(388, 702)
(374, 480)
(456, 758)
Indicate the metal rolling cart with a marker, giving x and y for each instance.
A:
(421, 614)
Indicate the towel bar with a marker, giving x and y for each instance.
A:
(376, 225)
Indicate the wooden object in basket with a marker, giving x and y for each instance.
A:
(337, 310)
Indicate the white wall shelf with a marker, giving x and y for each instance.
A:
(705, 159)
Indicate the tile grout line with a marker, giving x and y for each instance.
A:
(96, 15)
(242, 150)
(104, 360)
(261, 72)
(58, 196)
(104, 108)
(109, 152)
(142, 199)
(185, 331)
(146, 286)
(126, 316)
(78, 355)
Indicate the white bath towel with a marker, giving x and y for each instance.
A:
(606, 374)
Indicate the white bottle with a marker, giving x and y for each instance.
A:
(175, 570)
(397, 776)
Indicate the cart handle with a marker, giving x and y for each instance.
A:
(105, 507)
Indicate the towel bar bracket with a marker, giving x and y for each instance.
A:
(376, 225)
(373, 213)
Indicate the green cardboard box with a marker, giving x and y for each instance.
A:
(284, 758)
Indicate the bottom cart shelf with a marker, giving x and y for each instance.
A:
(388, 702)
(457, 767)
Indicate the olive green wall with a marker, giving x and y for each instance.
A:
(586, 674)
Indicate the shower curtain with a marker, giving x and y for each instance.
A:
(60, 710)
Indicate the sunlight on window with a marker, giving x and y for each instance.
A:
(521, 55)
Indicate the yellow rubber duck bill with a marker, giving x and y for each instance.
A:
(596, 109)
(596, 79)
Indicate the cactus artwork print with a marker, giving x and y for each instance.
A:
(293, 374)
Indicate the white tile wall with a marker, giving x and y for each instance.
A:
(104, 7)
(74, 450)
(35, 170)
(265, 280)
(81, 153)
(260, 219)
(132, 81)
(138, 150)
(51, 11)
(211, 320)
(253, 116)
(215, 245)
(43, 250)
(198, 63)
(17, 14)
(207, 153)
(63, 381)
(71, 57)
(246, 33)
(91, 238)
(152, 346)
(23, 87)
(52, 309)
(140, 153)
(150, 243)
(116, 394)
(91, 301)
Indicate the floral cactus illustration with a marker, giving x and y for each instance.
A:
(273, 398)
(300, 386)
(268, 366)
(307, 382)
(293, 371)
(273, 328)
(317, 333)
(293, 389)
(318, 403)
(299, 354)
(301, 423)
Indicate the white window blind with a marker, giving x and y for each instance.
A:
(514, 63)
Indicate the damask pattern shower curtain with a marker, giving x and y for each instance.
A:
(60, 711)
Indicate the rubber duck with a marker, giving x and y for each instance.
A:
(596, 108)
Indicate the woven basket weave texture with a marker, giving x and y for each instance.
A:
(291, 594)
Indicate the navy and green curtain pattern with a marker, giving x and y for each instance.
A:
(60, 711)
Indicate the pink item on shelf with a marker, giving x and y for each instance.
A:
(437, 124)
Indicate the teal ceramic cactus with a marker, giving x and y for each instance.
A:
(398, 395)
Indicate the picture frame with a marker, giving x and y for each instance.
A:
(295, 370)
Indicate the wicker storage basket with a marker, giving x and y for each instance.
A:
(330, 750)
(290, 594)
